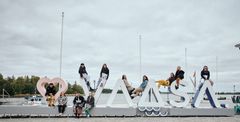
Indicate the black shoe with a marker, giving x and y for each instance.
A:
(91, 89)
(183, 85)
(176, 87)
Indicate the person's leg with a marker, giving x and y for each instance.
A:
(48, 101)
(87, 112)
(87, 79)
(131, 91)
(59, 108)
(63, 108)
(211, 82)
(137, 91)
(99, 81)
(52, 100)
(178, 81)
(74, 109)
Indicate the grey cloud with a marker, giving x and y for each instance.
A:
(97, 32)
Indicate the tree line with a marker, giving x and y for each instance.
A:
(27, 85)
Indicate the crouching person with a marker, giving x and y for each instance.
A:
(78, 104)
(89, 104)
(50, 92)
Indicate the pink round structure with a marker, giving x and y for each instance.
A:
(42, 90)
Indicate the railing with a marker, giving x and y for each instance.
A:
(3, 94)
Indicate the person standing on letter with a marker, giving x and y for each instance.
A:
(205, 75)
(104, 74)
(84, 75)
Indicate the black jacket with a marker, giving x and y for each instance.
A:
(79, 100)
(50, 90)
(179, 74)
(82, 70)
(104, 70)
(90, 101)
(207, 73)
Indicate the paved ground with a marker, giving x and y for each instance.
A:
(131, 119)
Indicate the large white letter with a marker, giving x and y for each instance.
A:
(205, 88)
(180, 94)
(99, 90)
(118, 84)
(84, 86)
(151, 86)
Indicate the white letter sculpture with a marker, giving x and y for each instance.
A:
(42, 90)
(205, 87)
(118, 84)
(180, 94)
(100, 88)
(151, 86)
(84, 86)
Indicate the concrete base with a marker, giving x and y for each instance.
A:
(37, 111)
(186, 112)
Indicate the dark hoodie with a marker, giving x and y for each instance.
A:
(179, 74)
(207, 73)
(82, 70)
(79, 100)
(50, 90)
(104, 70)
(90, 100)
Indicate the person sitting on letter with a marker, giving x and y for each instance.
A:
(141, 88)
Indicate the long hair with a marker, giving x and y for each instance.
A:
(104, 65)
(205, 67)
(145, 77)
(124, 77)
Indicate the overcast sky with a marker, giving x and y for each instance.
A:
(107, 31)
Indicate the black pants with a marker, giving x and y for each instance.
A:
(61, 108)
